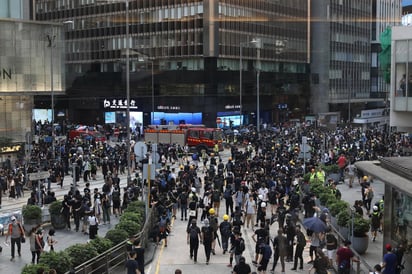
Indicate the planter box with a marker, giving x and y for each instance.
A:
(360, 244)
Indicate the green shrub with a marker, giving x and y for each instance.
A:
(338, 207)
(101, 244)
(132, 216)
(325, 197)
(117, 236)
(32, 212)
(34, 268)
(59, 261)
(331, 169)
(136, 207)
(80, 253)
(129, 226)
(317, 189)
(361, 226)
(55, 208)
(343, 218)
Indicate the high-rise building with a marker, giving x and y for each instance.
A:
(25, 69)
(340, 56)
(193, 49)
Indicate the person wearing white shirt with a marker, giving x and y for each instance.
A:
(93, 226)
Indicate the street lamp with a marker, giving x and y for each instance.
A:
(129, 178)
(145, 59)
(258, 45)
(51, 44)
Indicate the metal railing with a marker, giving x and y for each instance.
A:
(115, 257)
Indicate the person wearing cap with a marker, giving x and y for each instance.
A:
(375, 222)
(16, 233)
(206, 238)
(344, 256)
(389, 261)
(193, 236)
(225, 229)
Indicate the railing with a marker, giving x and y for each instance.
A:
(115, 257)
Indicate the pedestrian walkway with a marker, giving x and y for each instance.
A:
(374, 252)
(65, 238)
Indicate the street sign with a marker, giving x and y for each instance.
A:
(149, 172)
(39, 175)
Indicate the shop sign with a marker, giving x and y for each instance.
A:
(232, 106)
(161, 107)
(10, 149)
(5, 74)
(119, 104)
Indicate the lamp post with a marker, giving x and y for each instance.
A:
(258, 45)
(51, 44)
(145, 59)
(51, 38)
(128, 92)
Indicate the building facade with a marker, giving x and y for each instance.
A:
(395, 172)
(401, 79)
(193, 49)
(25, 68)
(341, 58)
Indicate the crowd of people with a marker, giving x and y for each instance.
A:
(260, 184)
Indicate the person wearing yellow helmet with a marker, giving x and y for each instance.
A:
(214, 224)
(225, 229)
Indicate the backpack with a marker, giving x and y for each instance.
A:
(207, 234)
(183, 198)
(116, 196)
(267, 252)
(225, 229)
(213, 224)
(241, 246)
(163, 183)
(163, 222)
(237, 219)
(227, 194)
(193, 233)
(216, 196)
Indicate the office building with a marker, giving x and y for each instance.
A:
(345, 74)
(25, 69)
(194, 48)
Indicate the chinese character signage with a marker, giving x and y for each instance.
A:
(120, 104)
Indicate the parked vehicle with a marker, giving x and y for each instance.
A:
(194, 136)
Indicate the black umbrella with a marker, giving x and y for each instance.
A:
(315, 224)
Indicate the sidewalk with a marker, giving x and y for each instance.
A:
(64, 237)
(374, 252)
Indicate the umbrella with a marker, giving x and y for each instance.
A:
(315, 224)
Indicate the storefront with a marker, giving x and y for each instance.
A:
(31, 59)
(396, 173)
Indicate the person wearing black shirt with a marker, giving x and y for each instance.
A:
(300, 245)
(193, 235)
(260, 236)
(131, 264)
(242, 267)
(139, 255)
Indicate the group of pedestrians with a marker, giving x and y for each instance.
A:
(261, 184)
